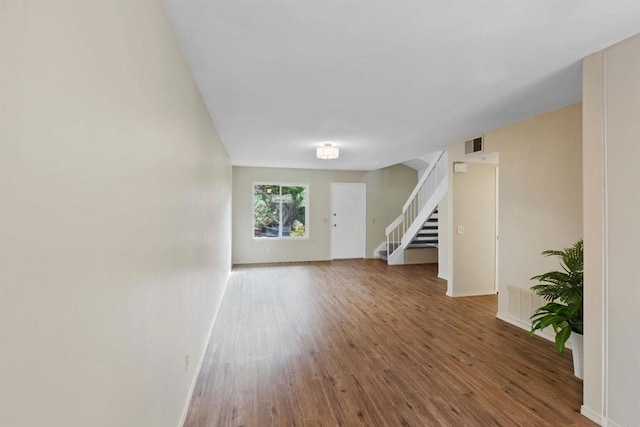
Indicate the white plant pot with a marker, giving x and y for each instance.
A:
(578, 354)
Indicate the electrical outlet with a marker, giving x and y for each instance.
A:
(461, 229)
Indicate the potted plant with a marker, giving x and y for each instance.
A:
(564, 292)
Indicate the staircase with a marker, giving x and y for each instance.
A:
(427, 237)
(417, 226)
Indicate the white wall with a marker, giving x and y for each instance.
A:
(612, 101)
(115, 204)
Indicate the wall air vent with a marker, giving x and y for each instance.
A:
(475, 145)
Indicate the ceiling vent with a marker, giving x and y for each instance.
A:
(475, 145)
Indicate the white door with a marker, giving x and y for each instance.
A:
(348, 220)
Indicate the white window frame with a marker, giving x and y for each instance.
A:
(306, 211)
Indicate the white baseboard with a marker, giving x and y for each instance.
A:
(514, 321)
(196, 375)
(471, 293)
(592, 415)
(527, 327)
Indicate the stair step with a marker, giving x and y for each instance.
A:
(426, 238)
(422, 245)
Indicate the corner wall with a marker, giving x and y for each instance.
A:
(593, 207)
(611, 89)
(387, 191)
(115, 216)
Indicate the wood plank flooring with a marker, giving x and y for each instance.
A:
(357, 342)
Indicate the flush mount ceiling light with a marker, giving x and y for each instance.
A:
(327, 152)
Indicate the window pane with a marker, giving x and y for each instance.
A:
(293, 211)
(266, 212)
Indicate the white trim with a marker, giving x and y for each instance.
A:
(422, 180)
(194, 380)
(527, 327)
(592, 415)
(497, 230)
(307, 230)
(605, 246)
(471, 293)
(396, 222)
(425, 213)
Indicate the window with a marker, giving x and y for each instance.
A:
(280, 210)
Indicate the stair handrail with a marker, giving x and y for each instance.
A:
(394, 233)
(396, 222)
(421, 181)
(423, 190)
(425, 187)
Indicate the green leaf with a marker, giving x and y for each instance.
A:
(564, 291)
(561, 338)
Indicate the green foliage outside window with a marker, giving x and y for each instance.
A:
(279, 210)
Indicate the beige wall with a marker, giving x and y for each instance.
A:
(444, 236)
(593, 208)
(115, 206)
(387, 190)
(540, 192)
(474, 208)
(612, 325)
(540, 200)
(421, 256)
(246, 249)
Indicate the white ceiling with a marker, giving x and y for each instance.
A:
(388, 81)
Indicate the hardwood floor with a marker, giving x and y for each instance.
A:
(357, 342)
